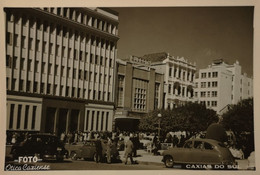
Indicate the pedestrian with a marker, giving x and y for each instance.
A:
(109, 147)
(98, 150)
(62, 137)
(175, 141)
(129, 151)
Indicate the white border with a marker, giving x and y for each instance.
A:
(133, 3)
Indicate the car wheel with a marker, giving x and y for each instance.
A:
(168, 161)
(73, 155)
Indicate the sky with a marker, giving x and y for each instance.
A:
(199, 34)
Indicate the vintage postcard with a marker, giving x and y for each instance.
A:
(160, 88)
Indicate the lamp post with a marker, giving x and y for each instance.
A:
(159, 123)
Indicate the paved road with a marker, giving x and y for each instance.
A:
(91, 165)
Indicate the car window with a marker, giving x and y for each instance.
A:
(222, 145)
(188, 144)
(208, 146)
(198, 145)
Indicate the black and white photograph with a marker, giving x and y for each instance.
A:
(162, 88)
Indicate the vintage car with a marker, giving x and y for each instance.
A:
(199, 151)
(146, 141)
(87, 150)
(44, 146)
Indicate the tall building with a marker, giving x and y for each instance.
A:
(60, 72)
(139, 91)
(179, 76)
(221, 84)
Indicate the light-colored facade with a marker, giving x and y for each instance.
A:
(222, 84)
(139, 91)
(179, 76)
(60, 69)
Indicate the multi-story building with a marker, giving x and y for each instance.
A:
(222, 84)
(60, 72)
(179, 76)
(139, 91)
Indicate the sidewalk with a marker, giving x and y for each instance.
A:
(143, 157)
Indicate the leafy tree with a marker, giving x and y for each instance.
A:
(240, 119)
(192, 117)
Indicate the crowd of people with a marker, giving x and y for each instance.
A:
(128, 141)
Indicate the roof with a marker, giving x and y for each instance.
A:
(156, 57)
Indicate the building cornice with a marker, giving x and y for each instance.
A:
(58, 19)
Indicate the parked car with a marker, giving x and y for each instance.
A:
(146, 141)
(87, 150)
(199, 151)
(44, 146)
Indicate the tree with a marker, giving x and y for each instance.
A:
(192, 117)
(240, 119)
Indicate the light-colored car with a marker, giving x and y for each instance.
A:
(146, 141)
(199, 151)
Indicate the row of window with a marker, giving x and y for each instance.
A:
(83, 18)
(53, 90)
(183, 75)
(210, 103)
(208, 94)
(177, 90)
(22, 110)
(208, 74)
(100, 117)
(209, 84)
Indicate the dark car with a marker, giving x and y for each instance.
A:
(199, 151)
(44, 146)
(87, 150)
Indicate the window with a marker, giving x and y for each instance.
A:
(208, 146)
(209, 74)
(74, 73)
(169, 89)
(26, 116)
(203, 75)
(120, 96)
(22, 63)
(19, 116)
(34, 116)
(214, 84)
(16, 40)
(215, 74)
(202, 94)
(209, 84)
(188, 144)
(156, 97)
(23, 42)
(198, 145)
(214, 93)
(214, 103)
(11, 116)
(208, 93)
(110, 62)
(203, 84)
(9, 39)
(8, 61)
(170, 71)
